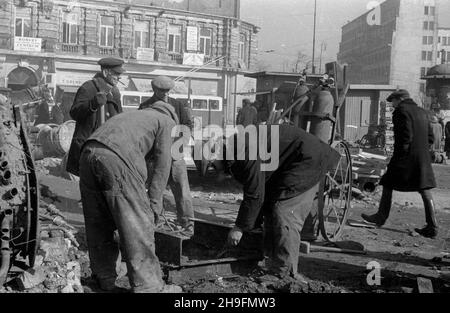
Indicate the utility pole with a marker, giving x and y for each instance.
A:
(323, 47)
(314, 39)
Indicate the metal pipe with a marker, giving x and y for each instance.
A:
(5, 249)
(5, 178)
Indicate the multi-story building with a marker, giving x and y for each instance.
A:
(393, 46)
(443, 48)
(202, 43)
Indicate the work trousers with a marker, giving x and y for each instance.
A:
(386, 202)
(284, 222)
(113, 198)
(179, 184)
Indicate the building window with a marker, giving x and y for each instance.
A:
(425, 25)
(174, 40)
(430, 40)
(422, 87)
(430, 56)
(424, 40)
(444, 41)
(23, 22)
(423, 71)
(141, 34)
(70, 29)
(107, 31)
(424, 55)
(205, 40)
(242, 47)
(439, 39)
(431, 25)
(426, 10)
(432, 11)
(448, 57)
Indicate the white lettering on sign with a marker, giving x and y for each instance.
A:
(192, 38)
(27, 44)
(71, 79)
(145, 54)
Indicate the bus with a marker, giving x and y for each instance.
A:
(207, 108)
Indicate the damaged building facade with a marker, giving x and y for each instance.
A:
(202, 44)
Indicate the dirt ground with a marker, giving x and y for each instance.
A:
(402, 254)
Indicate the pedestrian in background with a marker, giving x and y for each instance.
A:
(247, 115)
(101, 91)
(410, 166)
(447, 139)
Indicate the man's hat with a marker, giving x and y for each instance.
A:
(402, 93)
(112, 64)
(163, 82)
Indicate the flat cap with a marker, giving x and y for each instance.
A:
(402, 93)
(113, 64)
(163, 82)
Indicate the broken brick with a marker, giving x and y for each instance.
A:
(30, 278)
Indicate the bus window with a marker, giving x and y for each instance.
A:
(214, 105)
(132, 101)
(200, 104)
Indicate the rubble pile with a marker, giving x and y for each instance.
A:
(59, 266)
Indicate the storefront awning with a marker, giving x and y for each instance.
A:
(143, 85)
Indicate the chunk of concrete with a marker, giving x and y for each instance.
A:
(424, 285)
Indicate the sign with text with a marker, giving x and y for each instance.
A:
(72, 79)
(192, 38)
(195, 59)
(145, 54)
(27, 44)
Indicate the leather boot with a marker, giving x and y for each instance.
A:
(431, 229)
(384, 209)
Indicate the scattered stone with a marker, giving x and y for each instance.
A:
(30, 278)
(424, 285)
(416, 245)
(55, 233)
(54, 249)
(397, 244)
(38, 260)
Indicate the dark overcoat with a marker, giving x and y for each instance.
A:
(301, 162)
(447, 137)
(87, 120)
(410, 166)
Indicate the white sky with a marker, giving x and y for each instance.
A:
(287, 26)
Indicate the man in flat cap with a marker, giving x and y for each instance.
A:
(178, 180)
(410, 166)
(247, 115)
(101, 91)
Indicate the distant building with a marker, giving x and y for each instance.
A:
(203, 43)
(396, 52)
(443, 49)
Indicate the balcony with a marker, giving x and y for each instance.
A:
(175, 57)
(69, 48)
(106, 50)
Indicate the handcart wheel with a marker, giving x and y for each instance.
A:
(334, 197)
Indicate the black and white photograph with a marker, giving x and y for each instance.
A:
(225, 152)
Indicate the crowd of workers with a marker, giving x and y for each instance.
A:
(124, 163)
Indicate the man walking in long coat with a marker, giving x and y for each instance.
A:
(410, 166)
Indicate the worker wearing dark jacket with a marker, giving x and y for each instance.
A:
(284, 196)
(410, 166)
(178, 180)
(113, 175)
(99, 92)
